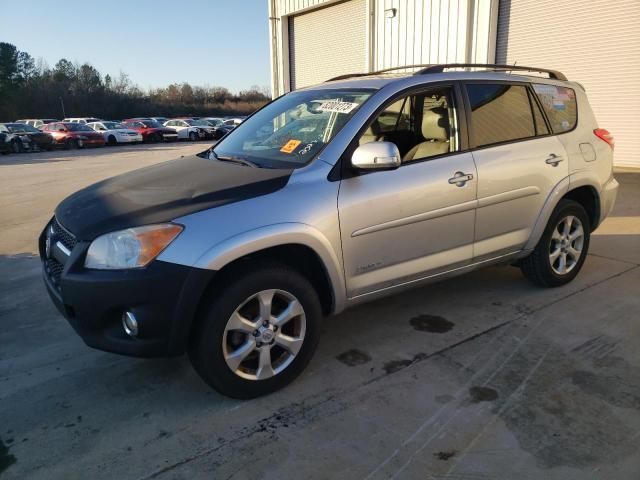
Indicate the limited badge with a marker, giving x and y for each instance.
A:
(290, 146)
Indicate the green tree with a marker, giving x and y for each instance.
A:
(8, 65)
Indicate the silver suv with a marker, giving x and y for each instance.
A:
(325, 198)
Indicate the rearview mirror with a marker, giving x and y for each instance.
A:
(376, 156)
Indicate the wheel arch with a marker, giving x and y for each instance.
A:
(583, 191)
(298, 245)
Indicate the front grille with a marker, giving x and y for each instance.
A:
(53, 266)
(62, 235)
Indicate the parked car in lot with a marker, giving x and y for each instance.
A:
(234, 121)
(235, 255)
(151, 130)
(37, 122)
(114, 132)
(81, 120)
(11, 143)
(214, 121)
(222, 130)
(73, 135)
(189, 129)
(28, 137)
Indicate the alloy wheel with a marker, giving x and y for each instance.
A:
(264, 334)
(566, 245)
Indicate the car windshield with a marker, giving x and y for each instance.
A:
(214, 122)
(113, 125)
(16, 127)
(151, 124)
(291, 131)
(78, 127)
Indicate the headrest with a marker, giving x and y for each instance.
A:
(435, 124)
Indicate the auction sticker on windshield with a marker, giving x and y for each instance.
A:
(337, 106)
(290, 146)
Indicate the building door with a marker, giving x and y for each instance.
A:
(327, 42)
(594, 43)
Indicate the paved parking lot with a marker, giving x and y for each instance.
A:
(479, 377)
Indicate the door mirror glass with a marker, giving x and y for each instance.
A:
(376, 156)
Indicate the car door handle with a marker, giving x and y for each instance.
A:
(459, 179)
(554, 160)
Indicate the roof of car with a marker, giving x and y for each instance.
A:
(439, 73)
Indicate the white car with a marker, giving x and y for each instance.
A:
(115, 132)
(233, 121)
(82, 120)
(189, 129)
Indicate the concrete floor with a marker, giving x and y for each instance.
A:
(480, 377)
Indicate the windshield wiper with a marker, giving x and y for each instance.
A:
(241, 161)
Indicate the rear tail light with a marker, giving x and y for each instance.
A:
(605, 136)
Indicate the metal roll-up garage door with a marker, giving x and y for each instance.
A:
(596, 43)
(327, 42)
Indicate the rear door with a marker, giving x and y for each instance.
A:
(518, 161)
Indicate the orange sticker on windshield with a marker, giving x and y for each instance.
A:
(290, 146)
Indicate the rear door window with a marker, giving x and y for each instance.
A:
(499, 113)
(559, 104)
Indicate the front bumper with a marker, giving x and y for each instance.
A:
(163, 296)
(129, 138)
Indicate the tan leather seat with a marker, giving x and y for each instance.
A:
(371, 134)
(435, 130)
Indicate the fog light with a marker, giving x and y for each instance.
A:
(130, 324)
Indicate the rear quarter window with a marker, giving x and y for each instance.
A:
(559, 104)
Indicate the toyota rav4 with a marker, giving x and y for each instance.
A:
(327, 197)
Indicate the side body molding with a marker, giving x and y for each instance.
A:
(276, 235)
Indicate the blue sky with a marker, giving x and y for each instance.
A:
(156, 42)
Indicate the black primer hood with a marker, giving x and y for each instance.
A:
(163, 192)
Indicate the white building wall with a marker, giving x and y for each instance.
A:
(400, 32)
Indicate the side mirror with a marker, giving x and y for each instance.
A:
(376, 156)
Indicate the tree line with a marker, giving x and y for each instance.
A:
(32, 89)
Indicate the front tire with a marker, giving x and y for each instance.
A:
(562, 249)
(193, 136)
(111, 141)
(17, 146)
(72, 144)
(258, 332)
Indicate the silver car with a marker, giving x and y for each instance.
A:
(327, 197)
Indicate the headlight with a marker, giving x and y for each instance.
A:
(130, 248)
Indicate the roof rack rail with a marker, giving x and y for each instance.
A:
(491, 66)
(385, 70)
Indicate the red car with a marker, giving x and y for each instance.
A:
(73, 135)
(151, 130)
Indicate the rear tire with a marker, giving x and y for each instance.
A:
(216, 345)
(562, 249)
